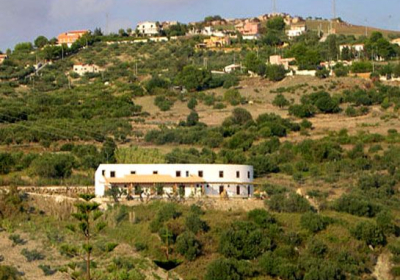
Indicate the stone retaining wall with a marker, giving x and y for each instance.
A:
(57, 191)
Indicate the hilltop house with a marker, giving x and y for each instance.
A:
(214, 42)
(82, 69)
(206, 31)
(190, 180)
(3, 57)
(396, 41)
(353, 47)
(71, 37)
(148, 28)
(278, 60)
(296, 30)
(249, 30)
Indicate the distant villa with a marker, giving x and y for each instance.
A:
(189, 180)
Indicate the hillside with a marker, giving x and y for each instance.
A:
(344, 28)
(325, 151)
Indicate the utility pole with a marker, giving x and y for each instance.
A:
(274, 6)
(107, 24)
(334, 9)
(334, 16)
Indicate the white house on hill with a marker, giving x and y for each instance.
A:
(82, 69)
(192, 180)
(148, 28)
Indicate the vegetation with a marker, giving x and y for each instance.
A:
(331, 198)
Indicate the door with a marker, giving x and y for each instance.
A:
(238, 190)
(221, 189)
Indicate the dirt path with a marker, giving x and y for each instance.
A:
(382, 267)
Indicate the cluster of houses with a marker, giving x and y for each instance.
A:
(220, 35)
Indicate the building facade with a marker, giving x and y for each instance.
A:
(71, 37)
(278, 60)
(148, 28)
(249, 30)
(82, 69)
(296, 30)
(3, 57)
(190, 180)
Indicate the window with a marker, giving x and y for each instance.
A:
(248, 174)
(238, 190)
(201, 174)
(221, 174)
(178, 174)
(103, 172)
(187, 173)
(155, 172)
(237, 174)
(112, 174)
(133, 172)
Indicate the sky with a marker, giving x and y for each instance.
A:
(24, 20)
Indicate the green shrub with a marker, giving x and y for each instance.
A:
(230, 81)
(275, 73)
(322, 73)
(139, 246)
(244, 240)
(233, 97)
(228, 269)
(188, 246)
(261, 217)
(219, 106)
(9, 273)
(302, 111)
(192, 103)
(317, 248)
(32, 255)
(68, 250)
(167, 212)
(163, 103)
(306, 124)
(7, 162)
(53, 165)
(47, 270)
(195, 224)
(370, 233)
(361, 67)
(291, 203)
(356, 205)
(16, 239)
(314, 222)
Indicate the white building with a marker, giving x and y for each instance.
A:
(82, 69)
(354, 47)
(192, 180)
(232, 68)
(296, 31)
(148, 28)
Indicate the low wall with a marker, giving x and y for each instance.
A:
(57, 191)
(231, 204)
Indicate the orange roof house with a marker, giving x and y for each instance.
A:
(71, 37)
(249, 30)
(215, 42)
